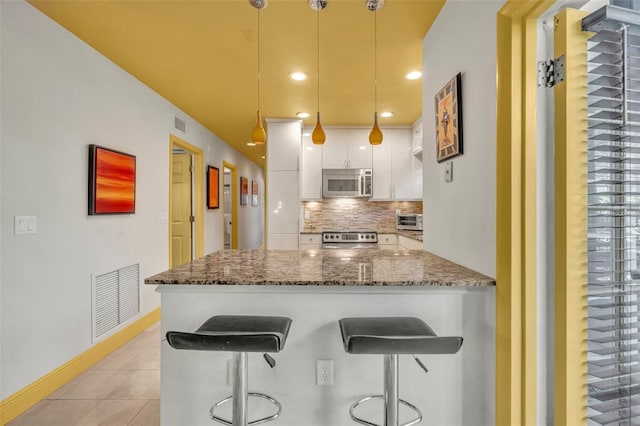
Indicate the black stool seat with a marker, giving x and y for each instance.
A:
(235, 333)
(394, 335)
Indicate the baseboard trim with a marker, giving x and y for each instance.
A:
(27, 397)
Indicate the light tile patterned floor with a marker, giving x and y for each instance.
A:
(121, 390)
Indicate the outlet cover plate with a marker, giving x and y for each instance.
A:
(324, 372)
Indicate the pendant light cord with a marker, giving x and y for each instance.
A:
(318, 54)
(375, 60)
(258, 59)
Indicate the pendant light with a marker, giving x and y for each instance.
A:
(375, 136)
(258, 136)
(318, 136)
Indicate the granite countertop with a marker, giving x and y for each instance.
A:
(364, 267)
(414, 235)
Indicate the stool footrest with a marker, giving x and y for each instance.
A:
(402, 401)
(275, 402)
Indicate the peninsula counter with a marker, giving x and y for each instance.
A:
(315, 288)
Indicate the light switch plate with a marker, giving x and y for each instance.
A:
(25, 225)
(448, 171)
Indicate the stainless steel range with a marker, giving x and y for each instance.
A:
(351, 239)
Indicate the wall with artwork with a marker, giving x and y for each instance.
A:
(57, 100)
(459, 222)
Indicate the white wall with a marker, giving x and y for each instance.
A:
(58, 96)
(459, 217)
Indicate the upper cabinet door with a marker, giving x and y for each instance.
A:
(311, 169)
(401, 159)
(382, 184)
(334, 150)
(283, 144)
(359, 149)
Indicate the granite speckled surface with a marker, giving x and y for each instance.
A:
(364, 267)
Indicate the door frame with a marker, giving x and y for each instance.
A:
(198, 193)
(235, 191)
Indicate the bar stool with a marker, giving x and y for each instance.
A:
(239, 334)
(392, 336)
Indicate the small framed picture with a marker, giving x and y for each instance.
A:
(112, 181)
(254, 193)
(244, 191)
(213, 187)
(449, 120)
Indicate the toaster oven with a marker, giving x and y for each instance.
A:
(411, 221)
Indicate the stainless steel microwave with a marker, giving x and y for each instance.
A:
(347, 183)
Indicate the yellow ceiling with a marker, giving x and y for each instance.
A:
(202, 56)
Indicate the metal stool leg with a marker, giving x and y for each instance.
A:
(391, 397)
(391, 385)
(240, 397)
(240, 391)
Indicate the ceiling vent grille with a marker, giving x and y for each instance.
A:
(116, 299)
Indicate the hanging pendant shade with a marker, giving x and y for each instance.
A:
(375, 136)
(259, 136)
(318, 137)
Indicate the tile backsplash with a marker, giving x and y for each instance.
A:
(353, 213)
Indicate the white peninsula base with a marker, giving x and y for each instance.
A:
(458, 390)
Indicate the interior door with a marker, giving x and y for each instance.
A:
(181, 210)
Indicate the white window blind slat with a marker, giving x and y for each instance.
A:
(613, 183)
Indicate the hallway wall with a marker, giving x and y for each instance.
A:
(58, 96)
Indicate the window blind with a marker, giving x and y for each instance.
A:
(613, 182)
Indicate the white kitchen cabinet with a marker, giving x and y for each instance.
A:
(388, 241)
(401, 163)
(358, 149)
(346, 149)
(283, 144)
(310, 241)
(284, 139)
(382, 184)
(312, 169)
(416, 141)
(283, 202)
(407, 243)
(392, 166)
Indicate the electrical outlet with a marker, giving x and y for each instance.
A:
(324, 372)
(307, 214)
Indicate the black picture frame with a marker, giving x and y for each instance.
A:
(213, 187)
(449, 120)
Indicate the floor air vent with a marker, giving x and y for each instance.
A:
(116, 297)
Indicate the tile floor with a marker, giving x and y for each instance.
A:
(121, 390)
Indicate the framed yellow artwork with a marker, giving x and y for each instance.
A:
(449, 120)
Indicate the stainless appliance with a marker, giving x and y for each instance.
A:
(354, 239)
(347, 183)
(412, 221)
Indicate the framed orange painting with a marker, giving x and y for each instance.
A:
(449, 120)
(244, 191)
(112, 181)
(254, 193)
(213, 185)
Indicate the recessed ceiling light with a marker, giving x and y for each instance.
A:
(413, 75)
(386, 114)
(298, 76)
(251, 143)
(302, 114)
